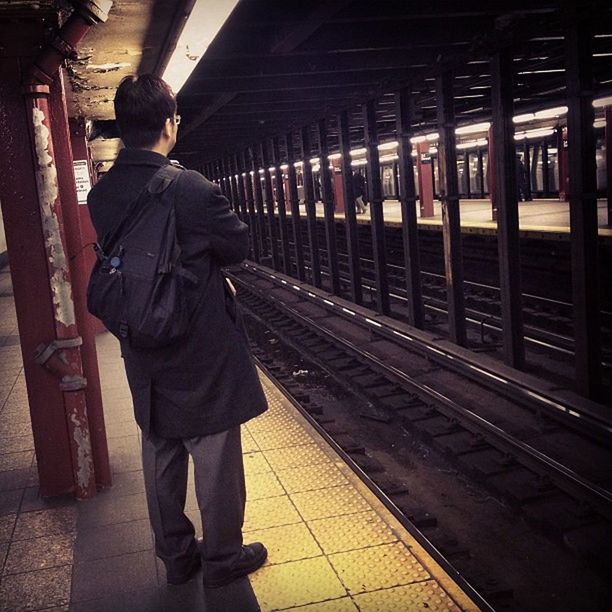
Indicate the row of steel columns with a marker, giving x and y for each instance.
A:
(247, 199)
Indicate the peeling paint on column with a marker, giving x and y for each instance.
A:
(46, 181)
(82, 443)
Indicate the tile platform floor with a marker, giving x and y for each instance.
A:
(332, 546)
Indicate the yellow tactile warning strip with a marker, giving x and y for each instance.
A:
(333, 546)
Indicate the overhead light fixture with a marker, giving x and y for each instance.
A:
(548, 113)
(432, 137)
(417, 139)
(284, 167)
(470, 144)
(199, 30)
(433, 150)
(523, 118)
(389, 157)
(314, 160)
(599, 123)
(473, 129)
(537, 133)
(601, 102)
(334, 156)
(388, 146)
(357, 152)
(298, 164)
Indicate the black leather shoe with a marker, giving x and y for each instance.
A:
(252, 557)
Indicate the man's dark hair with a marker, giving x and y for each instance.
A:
(142, 105)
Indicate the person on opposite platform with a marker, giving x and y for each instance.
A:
(190, 397)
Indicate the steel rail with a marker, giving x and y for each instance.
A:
(418, 535)
(583, 420)
(567, 480)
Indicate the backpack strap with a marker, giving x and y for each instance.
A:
(158, 183)
(163, 178)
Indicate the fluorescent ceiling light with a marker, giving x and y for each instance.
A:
(284, 167)
(433, 150)
(334, 156)
(388, 146)
(432, 137)
(202, 25)
(523, 118)
(537, 133)
(601, 102)
(356, 152)
(389, 157)
(417, 139)
(314, 160)
(551, 112)
(599, 123)
(473, 129)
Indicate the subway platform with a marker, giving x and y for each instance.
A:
(538, 216)
(332, 545)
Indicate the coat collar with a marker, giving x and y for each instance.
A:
(141, 157)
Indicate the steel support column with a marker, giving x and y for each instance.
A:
(282, 206)
(608, 145)
(259, 206)
(28, 259)
(250, 203)
(545, 175)
(328, 209)
(481, 174)
(311, 211)
(295, 209)
(508, 241)
(269, 200)
(527, 163)
(70, 220)
(350, 216)
(64, 347)
(237, 169)
(377, 220)
(451, 222)
(583, 202)
(466, 175)
(234, 187)
(408, 203)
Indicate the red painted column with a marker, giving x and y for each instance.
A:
(72, 213)
(80, 154)
(608, 145)
(33, 298)
(425, 177)
(60, 354)
(337, 185)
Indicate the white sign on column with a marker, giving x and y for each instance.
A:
(82, 179)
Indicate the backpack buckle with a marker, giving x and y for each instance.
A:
(123, 330)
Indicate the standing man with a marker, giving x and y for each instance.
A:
(190, 397)
(359, 191)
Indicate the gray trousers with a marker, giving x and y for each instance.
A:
(221, 495)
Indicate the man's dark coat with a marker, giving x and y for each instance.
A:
(205, 383)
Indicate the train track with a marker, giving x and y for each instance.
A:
(515, 439)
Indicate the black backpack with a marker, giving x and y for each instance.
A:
(137, 286)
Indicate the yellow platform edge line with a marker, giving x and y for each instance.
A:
(446, 582)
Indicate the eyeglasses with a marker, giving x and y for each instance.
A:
(177, 119)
